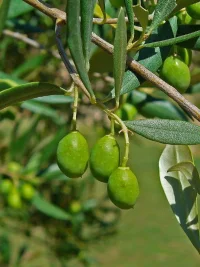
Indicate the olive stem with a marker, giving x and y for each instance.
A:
(112, 127)
(75, 108)
(124, 130)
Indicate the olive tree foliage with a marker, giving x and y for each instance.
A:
(145, 32)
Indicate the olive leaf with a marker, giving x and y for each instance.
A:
(27, 91)
(130, 14)
(75, 42)
(179, 193)
(162, 11)
(183, 3)
(166, 131)
(189, 170)
(49, 209)
(87, 9)
(193, 43)
(4, 13)
(142, 16)
(119, 53)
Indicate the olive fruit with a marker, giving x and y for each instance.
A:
(194, 10)
(27, 191)
(75, 206)
(128, 112)
(6, 186)
(14, 199)
(184, 18)
(117, 3)
(73, 154)
(104, 158)
(123, 188)
(176, 73)
(185, 54)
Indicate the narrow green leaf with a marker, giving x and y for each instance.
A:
(87, 10)
(119, 54)
(42, 109)
(27, 91)
(49, 209)
(130, 14)
(162, 11)
(190, 171)
(75, 43)
(54, 173)
(166, 131)
(7, 76)
(193, 43)
(103, 7)
(173, 41)
(6, 83)
(55, 99)
(3, 14)
(179, 193)
(142, 16)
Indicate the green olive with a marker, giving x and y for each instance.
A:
(194, 10)
(176, 73)
(75, 206)
(184, 18)
(73, 155)
(128, 112)
(185, 54)
(117, 3)
(104, 158)
(6, 186)
(27, 191)
(123, 188)
(14, 199)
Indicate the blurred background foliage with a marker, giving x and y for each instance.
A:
(71, 222)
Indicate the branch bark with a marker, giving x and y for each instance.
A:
(133, 65)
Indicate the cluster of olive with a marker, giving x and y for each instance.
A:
(14, 195)
(73, 157)
(175, 69)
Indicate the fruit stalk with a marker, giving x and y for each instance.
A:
(75, 108)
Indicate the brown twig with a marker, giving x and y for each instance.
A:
(29, 41)
(133, 65)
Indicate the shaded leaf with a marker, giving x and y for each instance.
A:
(166, 131)
(130, 14)
(179, 193)
(162, 11)
(190, 172)
(49, 209)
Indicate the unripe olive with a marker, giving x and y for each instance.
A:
(117, 3)
(194, 10)
(14, 199)
(6, 186)
(176, 73)
(73, 154)
(184, 18)
(104, 158)
(128, 112)
(75, 206)
(27, 191)
(123, 188)
(185, 54)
